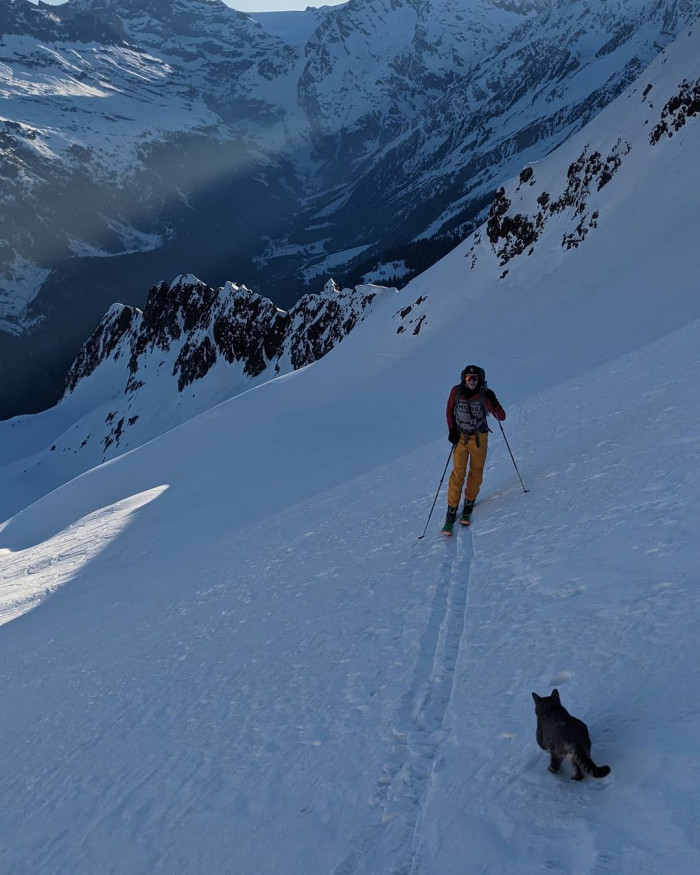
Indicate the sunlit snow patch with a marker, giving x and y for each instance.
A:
(28, 576)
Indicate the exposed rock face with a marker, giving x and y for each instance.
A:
(187, 328)
(513, 233)
(106, 342)
(678, 109)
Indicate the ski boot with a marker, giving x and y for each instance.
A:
(466, 517)
(450, 520)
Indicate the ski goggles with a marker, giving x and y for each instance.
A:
(471, 378)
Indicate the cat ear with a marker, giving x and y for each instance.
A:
(536, 698)
(555, 696)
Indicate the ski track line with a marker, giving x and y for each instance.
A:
(419, 731)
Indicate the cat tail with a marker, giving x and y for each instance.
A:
(589, 766)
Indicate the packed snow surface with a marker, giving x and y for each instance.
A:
(229, 651)
(253, 645)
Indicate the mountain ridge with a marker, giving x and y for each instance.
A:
(351, 153)
(144, 372)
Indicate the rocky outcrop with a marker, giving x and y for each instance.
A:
(684, 105)
(106, 342)
(513, 233)
(187, 328)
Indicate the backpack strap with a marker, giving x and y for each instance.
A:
(455, 402)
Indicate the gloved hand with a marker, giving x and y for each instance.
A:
(453, 436)
(498, 411)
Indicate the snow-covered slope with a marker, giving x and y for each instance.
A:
(229, 651)
(143, 373)
(184, 137)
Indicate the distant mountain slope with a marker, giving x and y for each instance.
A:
(183, 137)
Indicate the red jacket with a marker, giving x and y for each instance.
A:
(492, 405)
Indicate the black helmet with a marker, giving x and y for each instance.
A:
(477, 371)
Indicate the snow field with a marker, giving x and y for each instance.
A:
(326, 687)
(587, 583)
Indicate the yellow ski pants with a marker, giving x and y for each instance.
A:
(467, 453)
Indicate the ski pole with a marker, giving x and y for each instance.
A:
(438, 492)
(511, 455)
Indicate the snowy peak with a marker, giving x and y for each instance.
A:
(393, 56)
(70, 22)
(173, 10)
(214, 343)
(192, 19)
